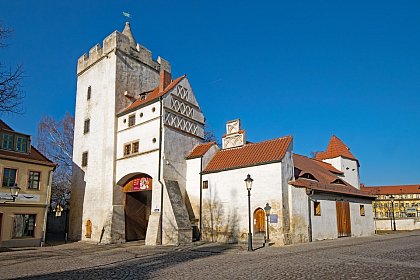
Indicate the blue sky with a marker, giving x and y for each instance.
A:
(304, 68)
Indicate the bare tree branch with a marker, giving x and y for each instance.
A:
(11, 96)
(55, 140)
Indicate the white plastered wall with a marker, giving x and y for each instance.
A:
(228, 197)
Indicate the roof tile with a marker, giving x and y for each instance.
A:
(33, 155)
(200, 150)
(325, 176)
(155, 94)
(249, 155)
(402, 189)
(335, 148)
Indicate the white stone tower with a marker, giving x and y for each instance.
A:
(132, 124)
(338, 155)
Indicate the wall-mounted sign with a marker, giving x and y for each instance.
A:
(274, 218)
(138, 184)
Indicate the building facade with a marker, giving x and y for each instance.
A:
(23, 222)
(134, 125)
(399, 203)
(142, 170)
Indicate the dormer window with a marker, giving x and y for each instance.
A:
(22, 144)
(15, 142)
(338, 181)
(308, 176)
(7, 141)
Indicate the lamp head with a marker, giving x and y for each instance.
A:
(267, 209)
(14, 191)
(248, 182)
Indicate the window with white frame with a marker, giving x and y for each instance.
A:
(33, 179)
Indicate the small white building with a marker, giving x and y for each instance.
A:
(309, 198)
(142, 171)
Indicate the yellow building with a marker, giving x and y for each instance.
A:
(23, 218)
(403, 200)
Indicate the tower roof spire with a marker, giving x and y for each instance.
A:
(127, 32)
(335, 148)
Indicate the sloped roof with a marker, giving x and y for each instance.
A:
(325, 178)
(335, 148)
(249, 155)
(401, 189)
(200, 150)
(155, 94)
(34, 154)
(329, 167)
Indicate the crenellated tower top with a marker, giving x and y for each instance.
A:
(122, 41)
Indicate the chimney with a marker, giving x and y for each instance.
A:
(165, 77)
(164, 80)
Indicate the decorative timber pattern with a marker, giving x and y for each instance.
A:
(181, 123)
(183, 118)
(233, 141)
(182, 108)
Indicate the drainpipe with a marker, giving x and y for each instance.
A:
(201, 198)
(47, 202)
(160, 170)
(310, 192)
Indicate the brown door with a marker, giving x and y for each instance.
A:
(343, 218)
(259, 221)
(137, 211)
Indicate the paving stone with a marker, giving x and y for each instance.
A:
(395, 256)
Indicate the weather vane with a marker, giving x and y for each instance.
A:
(127, 15)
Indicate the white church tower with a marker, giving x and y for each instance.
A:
(134, 126)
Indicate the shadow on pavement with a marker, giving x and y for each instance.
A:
(141, 266)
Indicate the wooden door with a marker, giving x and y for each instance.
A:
(137, 211)
(259, 221)
(343, 218)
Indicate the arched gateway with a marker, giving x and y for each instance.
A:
(137, 205)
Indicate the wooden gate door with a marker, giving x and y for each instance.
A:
(259, 221)
(343, 218)
(136, 215)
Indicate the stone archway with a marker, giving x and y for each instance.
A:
(137, 189)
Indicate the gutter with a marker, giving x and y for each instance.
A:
(160, 170)
(47, 202)
(201, 199)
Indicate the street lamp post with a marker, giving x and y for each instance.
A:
(267, 209)
(248, 183)
(393, 210)
(14, 192)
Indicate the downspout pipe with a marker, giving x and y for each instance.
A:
(310, 192)
(201, 199)
(47, 202)
(160, 170)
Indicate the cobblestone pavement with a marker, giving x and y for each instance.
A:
(392, 256)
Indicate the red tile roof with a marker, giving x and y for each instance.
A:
(403, 189)
(329, 167)
(249, 155)
(335, 148)
(200, 150)
(155, 94)
(325, 178)
(34, 155)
